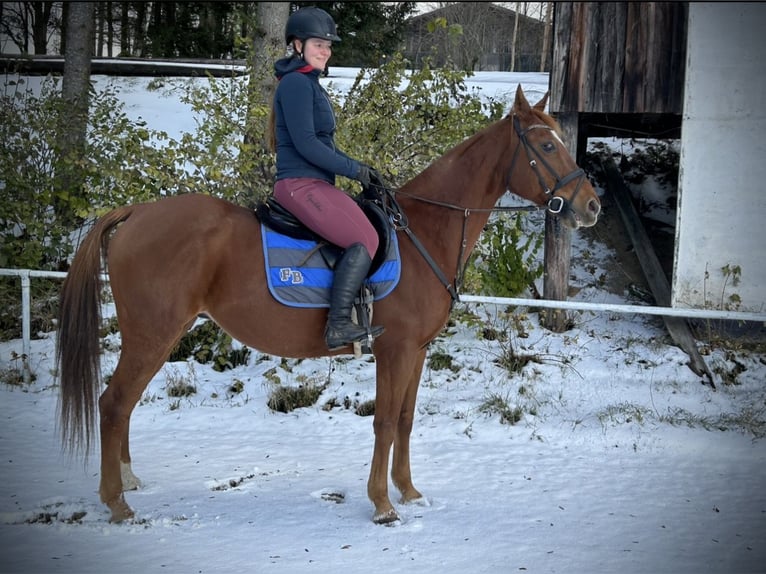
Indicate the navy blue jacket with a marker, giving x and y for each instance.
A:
(305, 126)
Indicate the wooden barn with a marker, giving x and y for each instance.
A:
(483, 41)
(694, 71)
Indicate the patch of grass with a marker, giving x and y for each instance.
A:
(178, 389)
(178, 386)
(623, 413)
(44, 297)
(286, 399)
(14, 374)
(749, 420)
(272, 376)
(514, 362)
(361, 408)
(439, 360)
(495, 404)
(236, 387)
(365, 408)
(109, 327)
(729, 368)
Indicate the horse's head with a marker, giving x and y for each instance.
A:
(548, 175)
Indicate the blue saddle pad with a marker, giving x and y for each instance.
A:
(299, 276)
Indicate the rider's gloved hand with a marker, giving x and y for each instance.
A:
(367, 175)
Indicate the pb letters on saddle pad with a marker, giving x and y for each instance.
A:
(299, 276)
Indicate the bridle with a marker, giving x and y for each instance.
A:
(556, 203)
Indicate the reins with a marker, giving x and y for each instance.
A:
(452, 288)
(384, 196)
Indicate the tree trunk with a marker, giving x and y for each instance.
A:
(124, 29)
(515, 38)
(169, 41)
(109, 29)
(41, 15)
(268, 46)
(546, 35)
(139, 34)
(73, 117)
(64, 18)
(558, 244)
(100, 28)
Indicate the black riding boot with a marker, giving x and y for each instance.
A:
(350, 272)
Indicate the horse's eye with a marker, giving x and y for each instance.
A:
(548, 147)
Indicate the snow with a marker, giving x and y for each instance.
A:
(622, 460)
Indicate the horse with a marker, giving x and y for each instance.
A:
(181, 257)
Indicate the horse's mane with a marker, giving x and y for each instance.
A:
(466, 145)
(539, 114)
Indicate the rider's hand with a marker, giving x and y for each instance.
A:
(367, 175)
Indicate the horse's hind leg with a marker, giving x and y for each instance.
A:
(129, 480)
(137, 365)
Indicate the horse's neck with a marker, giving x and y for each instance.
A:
(459, 190)
(470, 175)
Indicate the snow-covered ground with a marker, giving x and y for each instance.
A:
(621, 460)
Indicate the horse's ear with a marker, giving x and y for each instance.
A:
(541, 104)
(520, 104)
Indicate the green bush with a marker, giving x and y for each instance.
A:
(120, 165)
(505, 261)
(401, 130)
(208, 343)
(28, 236)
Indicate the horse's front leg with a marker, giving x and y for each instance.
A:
(400, 472)
(394, 371)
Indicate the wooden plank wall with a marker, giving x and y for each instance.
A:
(618, 57)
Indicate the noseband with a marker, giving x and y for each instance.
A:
(556, 203)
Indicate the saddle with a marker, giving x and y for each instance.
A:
(279, 220)
(274, 216)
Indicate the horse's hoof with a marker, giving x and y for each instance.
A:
(387, 517)
(120, 511)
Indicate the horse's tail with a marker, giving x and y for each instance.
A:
(78, 346)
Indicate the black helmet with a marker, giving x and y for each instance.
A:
(311, 22)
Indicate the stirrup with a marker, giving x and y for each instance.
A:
(364, 336)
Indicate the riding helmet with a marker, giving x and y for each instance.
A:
(311, 22)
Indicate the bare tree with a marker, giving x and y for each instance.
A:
(20, 20)
(124, 29)
(105, 28)
(514, 38)
(139, 29)
(546, 35)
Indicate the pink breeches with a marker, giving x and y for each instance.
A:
(327, 211)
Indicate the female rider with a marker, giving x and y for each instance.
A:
(307, 162)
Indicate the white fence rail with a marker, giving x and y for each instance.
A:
(27, 274)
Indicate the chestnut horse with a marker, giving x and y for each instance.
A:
(187, 255)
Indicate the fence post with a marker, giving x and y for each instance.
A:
(26, 348)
